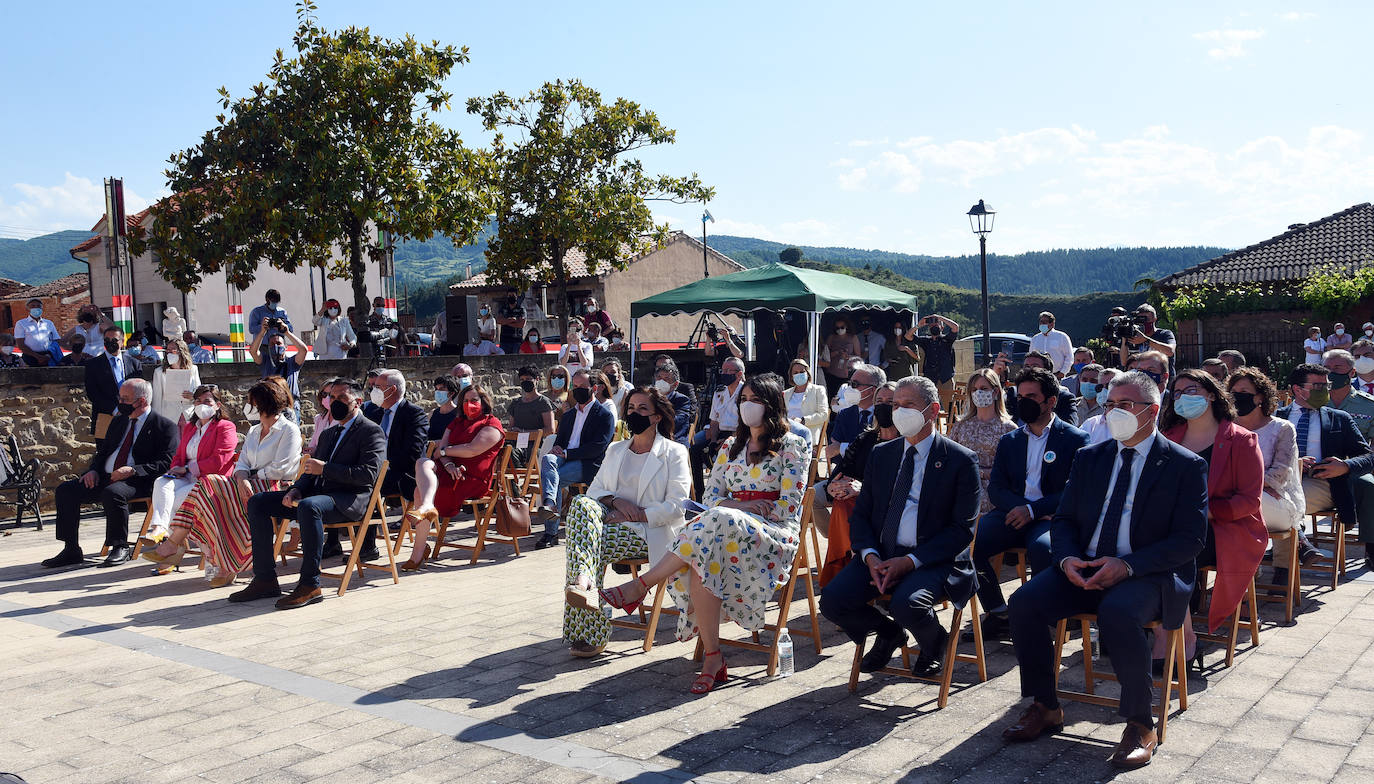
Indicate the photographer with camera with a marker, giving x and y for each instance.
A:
(576, 353)
(382, 330)
(271, 308)
(274, 333)
(1139, 334)
(939, 353)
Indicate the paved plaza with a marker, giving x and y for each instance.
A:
(458, 674)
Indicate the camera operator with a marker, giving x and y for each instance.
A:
(1146, 337)
(384, 329)
(271, 308)
(938, 347)
(274, 332)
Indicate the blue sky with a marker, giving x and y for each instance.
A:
(866, 125)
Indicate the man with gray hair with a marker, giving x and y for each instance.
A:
(137, 449)
(1124, 540)
(853, 420)
(668, 381)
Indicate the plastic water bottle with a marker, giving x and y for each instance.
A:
(785, 664)
(1093, 645)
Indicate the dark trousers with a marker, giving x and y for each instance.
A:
(994, 537)
(845, 601)
(311, 514)
(1122, 612)
(115, 497)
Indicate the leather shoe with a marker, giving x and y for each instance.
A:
(1136, 748)
(369, 555)
(332, 548)
(929, 663)
(1309, 555)
(881, 653)
(70, 556)
(585, 650)
(256, 589)
(118, 554)
(547, 540)
(996, 626)
(1036, 721)
(300, 596)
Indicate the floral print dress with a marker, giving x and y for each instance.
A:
(743, 558)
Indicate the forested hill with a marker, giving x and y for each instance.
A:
(1068, 272)
(41, 259)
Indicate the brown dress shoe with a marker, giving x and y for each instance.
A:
(300, 596)
(257, 589)
(585, 650)
(1036, 721)
(1136, 748)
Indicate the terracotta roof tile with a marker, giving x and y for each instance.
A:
(1344, 241)
(74, 283)
(578, 266)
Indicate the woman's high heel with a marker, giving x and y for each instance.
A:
(170, 563)
(615, 598)
(707, 681)
(414, 566)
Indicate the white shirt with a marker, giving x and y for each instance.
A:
(333, 333)
(1035, 460)
(575, 437)
(1313, 346)
(1058, 345)
(94, 340)
(193, 446)
(486, 348)
(1097, 430)
(276, 456)
(392, 421)
(37, 334)
(906, 529)
(1314, 430)
(1123, 533)
(564, 353)
(486, 324)
(137, 425)
(725, 407)
(794, 404)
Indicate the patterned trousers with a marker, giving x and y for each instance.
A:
(592, 544)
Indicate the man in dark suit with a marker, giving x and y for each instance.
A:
(1064, 403)
(1028, 474)
(663, 360)
(668, 380)
(911, 528)
(137, 449)
(336, 486)
(1130, 524)
(855, 419)
(1334, 455)
(106, 372)
(584, 432)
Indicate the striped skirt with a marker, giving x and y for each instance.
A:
(215, 513)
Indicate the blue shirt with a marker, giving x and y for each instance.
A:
(289, 369)
(261, 312)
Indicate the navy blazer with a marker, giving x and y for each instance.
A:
(1007, 484)
(684, 411)
(1168, 517)
(101, 388)
(597, 432)
(1341, 438)
(844, 428)
(405, 444)
(350, 471)
(946, 513)
(1064, 408)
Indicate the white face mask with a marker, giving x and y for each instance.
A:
(663, 387)
(204, 411)
(983, 398)
(173, 360)
(250, 411)
(751, 413)
(332, 312)
(849, 396)
(1364, 365)
(908, 421)
(1122, 424)
(377, 396)
(897, 330)
(840, 330)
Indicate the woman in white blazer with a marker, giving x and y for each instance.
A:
(806, 402)
(632, 509)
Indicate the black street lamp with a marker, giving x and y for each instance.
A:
(980, 218)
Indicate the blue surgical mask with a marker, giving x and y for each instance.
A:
(36, 313)
(440, 396)
(1102, 396)
(272, 306)
(800, 378)
(464, 382)
(558, 382)
(1078, 366)
(1087, 389)
(1190, 406)
(1044, 328)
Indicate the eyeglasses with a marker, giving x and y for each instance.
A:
(1189, 390)
(1131, 406)
(1315, 386)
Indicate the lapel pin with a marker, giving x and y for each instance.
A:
(938, 464)
(1050, 456)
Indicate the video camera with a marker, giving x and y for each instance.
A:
(1121, 326)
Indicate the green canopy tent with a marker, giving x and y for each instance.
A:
(770, 287)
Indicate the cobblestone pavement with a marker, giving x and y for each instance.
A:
(458, 674)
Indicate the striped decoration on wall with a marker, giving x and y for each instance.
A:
(123, 306)
(236, 325)
(391, 308)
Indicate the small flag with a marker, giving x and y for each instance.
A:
(236, 325)
(123, 306)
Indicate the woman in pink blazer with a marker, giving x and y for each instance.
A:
(1198, 417)
(207, 446)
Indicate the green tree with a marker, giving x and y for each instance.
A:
(338, 145)
(789, 255)
(564, 180)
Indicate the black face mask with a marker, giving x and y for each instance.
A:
(727, 378)
(339, 410)
(1027, 410)
(582, 395)
(613, 379)
(637, 422)
(112, 346)
(527, 385)
(127, 409)
(882, 414)
(1245, 402)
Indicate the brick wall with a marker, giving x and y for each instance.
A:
(63, 316)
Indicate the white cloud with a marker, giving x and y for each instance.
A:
(868, 142)
(962, 161)
(1297, 16)
(1230, 44)
(77, 203)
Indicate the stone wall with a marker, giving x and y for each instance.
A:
(48, 412)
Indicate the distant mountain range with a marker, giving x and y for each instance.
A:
(424, 263)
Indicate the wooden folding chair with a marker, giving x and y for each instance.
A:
(1232, 633)
(142, 539)
(648, 622)
(952, 655)
(483, 514)
(356, 530)
(1287, 594)
(1175, 670)
(996, 562)
(801, 570)
(284, 524)
(526, 477)
(406, 530)
(1334, 537)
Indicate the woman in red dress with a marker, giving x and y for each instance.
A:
(466, 457)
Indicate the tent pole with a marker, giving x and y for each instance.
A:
(812, 338)
(634, 346)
